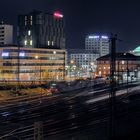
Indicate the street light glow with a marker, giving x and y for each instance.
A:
(36, 57)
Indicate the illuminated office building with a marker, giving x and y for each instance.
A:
(41, 30)
(98, 44)
(33, 64)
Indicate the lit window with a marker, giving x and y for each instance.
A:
(5, 53)
(25, 42)
(52, 43)
(31, 20)
(22, 54)
(48, 43)
(31, 42)
(122, 62)
(29, 32)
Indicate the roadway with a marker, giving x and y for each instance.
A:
(79, 114)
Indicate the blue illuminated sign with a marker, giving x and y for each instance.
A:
(5, 54)
(22, 54)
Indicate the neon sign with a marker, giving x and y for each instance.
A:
(104, 37)
(58, 15)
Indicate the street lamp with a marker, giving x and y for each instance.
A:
(74, 71)
(37, 57)
(122, 63)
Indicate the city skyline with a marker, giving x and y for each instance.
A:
(83, 18)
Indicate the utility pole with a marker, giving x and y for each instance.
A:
(38, 131)
(18, 67)
(118, 71)
(127, 74)
(112, 94)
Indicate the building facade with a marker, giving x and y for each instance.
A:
(84, 60)
(98, 44)
(41, 30)
(126, 64)
(32, 64)
(6, 34)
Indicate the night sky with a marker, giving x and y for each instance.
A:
(85, 17)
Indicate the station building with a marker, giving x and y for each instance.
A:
(126, 64)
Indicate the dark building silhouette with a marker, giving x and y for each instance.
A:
(41, 30)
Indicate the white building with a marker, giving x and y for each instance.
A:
(6, 34)
(84, 59)
(98, 44)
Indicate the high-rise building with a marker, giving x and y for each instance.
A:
(98, 44)
(6, 34)
(41, 30)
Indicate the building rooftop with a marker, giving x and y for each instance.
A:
(137, 50)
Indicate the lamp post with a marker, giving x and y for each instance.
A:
(91, 75)
(71, 65)
(74, 71)
(118, 71)
(37, 57)
(122, 70)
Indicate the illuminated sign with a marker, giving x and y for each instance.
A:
(93, 37)
(58, 15)
(22, 54)
(5, 54)
(105, 37)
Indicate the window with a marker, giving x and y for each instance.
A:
(31, 20)
(31, 42)
(52, 43)
(29, 32)
(48, 43)
(25, 17)
(25, 42)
